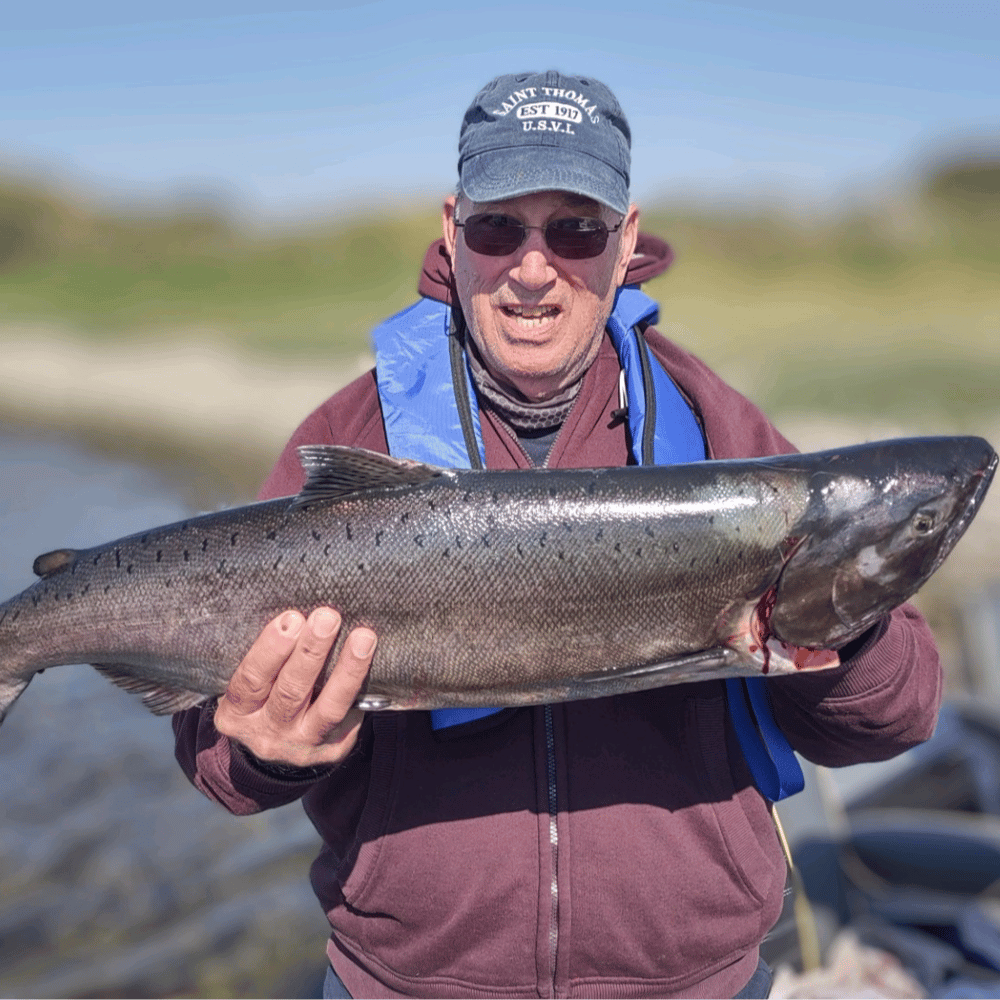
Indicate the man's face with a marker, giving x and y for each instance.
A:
(537, 318)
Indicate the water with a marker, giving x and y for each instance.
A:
(117, 877)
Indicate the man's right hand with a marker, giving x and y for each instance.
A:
(269, 706)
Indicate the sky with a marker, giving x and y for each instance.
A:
(287, 113)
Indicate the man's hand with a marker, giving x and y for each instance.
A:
(269, 706)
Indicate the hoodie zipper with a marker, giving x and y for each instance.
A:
(550, 767)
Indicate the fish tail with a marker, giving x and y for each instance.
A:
(11, 688)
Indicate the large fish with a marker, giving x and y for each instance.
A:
(514, 588)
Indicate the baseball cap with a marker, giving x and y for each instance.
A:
(528, 132)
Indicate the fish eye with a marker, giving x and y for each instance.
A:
(924, 521)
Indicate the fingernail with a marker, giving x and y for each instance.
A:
(362, 643)
(324, 623)
(290, 623)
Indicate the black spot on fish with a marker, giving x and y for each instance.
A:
(97, 558)
(693, 561)
(277, 562)
(204, 545)
(649, 531)
(118, 559)
(404, 517)
(361, 567)
(599, 535)
(467, 494)
(128, 569)
(347, 528)
(326, 549)
(187, 556)
(159, 554)
(13, 617)
(553, 492)
(618, 547)
(85, 589)
(222, 565)
(458, 541)
(107, 588)
(562, 555)
(419, 539)
(302, 558)
(638, 552)
(541, 541)
(233, 537)
(519, 551)
(378, 537)
(272, 534)
(711, 519)
(495, 497)
(447, 552)
(486, 541)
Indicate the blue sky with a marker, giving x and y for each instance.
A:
(336, 104)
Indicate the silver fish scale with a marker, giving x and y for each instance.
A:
(478, 585)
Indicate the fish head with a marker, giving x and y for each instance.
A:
(880, 520)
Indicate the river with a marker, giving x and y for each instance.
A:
(117, 877)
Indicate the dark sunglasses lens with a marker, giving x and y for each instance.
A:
(577, 239)
(494, 235)
(501, 235)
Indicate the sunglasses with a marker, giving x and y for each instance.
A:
(500, 235)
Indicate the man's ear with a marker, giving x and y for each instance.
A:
(630, 235)
(448, 213)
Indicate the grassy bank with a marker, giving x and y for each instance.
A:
(891, 310)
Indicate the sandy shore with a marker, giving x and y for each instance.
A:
(193, 398)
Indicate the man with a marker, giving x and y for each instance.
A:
(612, 847)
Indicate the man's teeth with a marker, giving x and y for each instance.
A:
(532, 315)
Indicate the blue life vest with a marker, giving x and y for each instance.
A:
(428, 407)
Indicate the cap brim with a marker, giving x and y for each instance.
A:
(499, 174)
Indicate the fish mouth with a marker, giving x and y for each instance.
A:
(982, 478)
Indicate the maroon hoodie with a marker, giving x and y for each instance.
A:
(614, 847)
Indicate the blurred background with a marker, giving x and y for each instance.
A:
(204, 208)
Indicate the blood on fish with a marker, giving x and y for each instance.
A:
(760, 623)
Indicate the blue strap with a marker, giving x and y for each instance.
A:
(775, 768)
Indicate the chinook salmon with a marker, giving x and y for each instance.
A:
(515, 588)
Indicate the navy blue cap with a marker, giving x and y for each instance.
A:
(529, 132)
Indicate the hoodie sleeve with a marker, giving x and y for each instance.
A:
(885, 698)
(212, 762)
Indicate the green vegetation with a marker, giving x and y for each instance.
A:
(871, 308)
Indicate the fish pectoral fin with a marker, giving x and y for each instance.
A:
(334, 472)
(158, 698)
(719, 661)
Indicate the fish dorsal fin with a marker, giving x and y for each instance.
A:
(334, 472)
(158, 698)
(53, 562)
